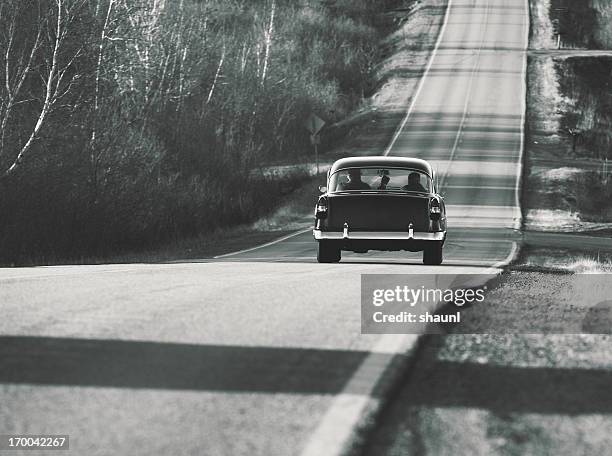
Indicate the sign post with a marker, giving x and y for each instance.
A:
(315, 140)
(314, 124)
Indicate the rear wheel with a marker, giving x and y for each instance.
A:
(328, 253)
(432, 254)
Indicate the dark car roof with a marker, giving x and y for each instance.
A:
(383, 161)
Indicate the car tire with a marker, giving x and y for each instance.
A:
(328, 253)
(432, 254)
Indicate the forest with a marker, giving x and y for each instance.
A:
(128, 123)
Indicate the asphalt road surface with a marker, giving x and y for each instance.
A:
(260, 352)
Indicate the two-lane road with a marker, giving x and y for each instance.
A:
(466, 118)
(260, 352)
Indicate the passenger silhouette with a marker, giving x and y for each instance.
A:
(355, 182)
(414, 183)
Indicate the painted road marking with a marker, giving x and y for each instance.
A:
(421, 82)
(333, 435)
(334, 432)
(267, 244)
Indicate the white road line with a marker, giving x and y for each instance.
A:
(274, 259)
(523, 114)
(508, 259)
(276, 241)
(421, 82)
(342, 418)
(334, 432)
(467, 98)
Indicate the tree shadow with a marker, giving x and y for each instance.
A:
(506, 389)
(155, 365)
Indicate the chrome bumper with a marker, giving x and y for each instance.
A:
(377, 235)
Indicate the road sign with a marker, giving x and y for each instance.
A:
(314, 124)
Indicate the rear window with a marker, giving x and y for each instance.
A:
(380, 179)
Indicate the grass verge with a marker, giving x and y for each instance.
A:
(567, 184)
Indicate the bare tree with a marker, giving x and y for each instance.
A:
(217, 74)
(14, 76)
(44, 57)
(105, 36)
(268, 34)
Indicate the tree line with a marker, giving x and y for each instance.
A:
(126, 123)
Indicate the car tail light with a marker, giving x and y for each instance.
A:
(435, 210)
(321, 208)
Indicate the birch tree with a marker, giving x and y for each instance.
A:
(268, 34)
(42, 63)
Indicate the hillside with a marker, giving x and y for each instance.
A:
(125, 123)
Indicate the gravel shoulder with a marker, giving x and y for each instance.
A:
(525, 372)
(503, 395)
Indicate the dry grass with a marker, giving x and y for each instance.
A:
(564, 188)
(564, 260)
(588, 265)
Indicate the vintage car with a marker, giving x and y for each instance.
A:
(380, 203)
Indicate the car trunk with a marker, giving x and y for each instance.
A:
(378, 212)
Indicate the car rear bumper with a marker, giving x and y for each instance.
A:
(377, 236)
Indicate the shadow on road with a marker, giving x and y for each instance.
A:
(503, 389)
(136, 364)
